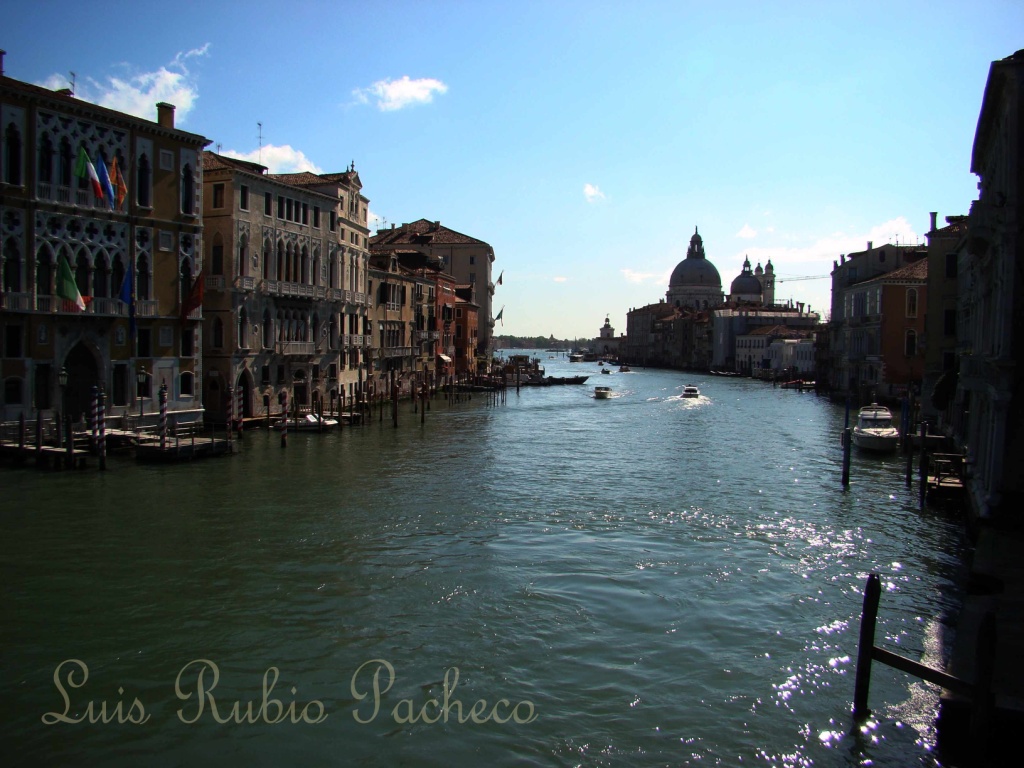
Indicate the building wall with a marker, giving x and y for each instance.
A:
(154, 235)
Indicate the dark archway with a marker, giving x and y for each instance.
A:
(83, 374)
(244, 389)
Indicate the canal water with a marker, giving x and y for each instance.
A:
(554, 581)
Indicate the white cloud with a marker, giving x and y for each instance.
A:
(640, 277)
(592, 193)
(747, 232)
(560, 279)
(392, 95)
(283, 159)
(139, 93)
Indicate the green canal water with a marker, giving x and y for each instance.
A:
(555, 581)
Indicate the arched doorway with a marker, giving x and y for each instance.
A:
(83, 374)
(300, 388)
(245, 386)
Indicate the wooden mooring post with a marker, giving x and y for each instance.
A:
(847, 441)
(979, 692)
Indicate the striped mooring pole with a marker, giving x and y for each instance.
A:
(231, 411)
(284, 421)
(163, 417)
(102, 417)
(94, 427)
(239, 409)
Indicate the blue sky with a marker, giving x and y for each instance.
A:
(583, 140)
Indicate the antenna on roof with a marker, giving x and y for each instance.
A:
(72, 82)
(219, 145)
(259, 157)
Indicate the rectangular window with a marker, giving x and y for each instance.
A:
(334, 221)
(188, 347)
(185, 383)
(950, 265)
(218, 195)
(243, 198)
(166, 160)
(119, 395)
(332, 372)
(316, 216)
(288, 209)
(166, 241)
(305, 213)
(472, 259)
(268, 204)
(166, 336)
(280, 374)
(265, 374)
(280, 207)
(12, 341)
(472, 277)
(949, 322)
(145, 337)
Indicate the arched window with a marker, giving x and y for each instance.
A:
(142, 281)
(143, 181)
(101, 277)
(12, 267)
(185, 281)
(243, 329)
(117, 273)
(279, 273)
(304, 276)
(82, 273)
(46, 159)
(911, 302)
(44, 271)
(243, 255)
(268, 330)
(66, 163)
(188, 190)
(186, 383)
(910, 345)
(217, 255)
(218, 333)
(12, 155)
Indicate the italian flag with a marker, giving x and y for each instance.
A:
(84, 168)
(67, 288)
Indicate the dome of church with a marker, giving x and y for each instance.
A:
(746, 284)
(695, 270)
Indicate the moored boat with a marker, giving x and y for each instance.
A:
(311, 423)
(874, 430)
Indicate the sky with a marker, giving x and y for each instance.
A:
(584, 141)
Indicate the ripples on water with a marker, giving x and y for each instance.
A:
(669, 581)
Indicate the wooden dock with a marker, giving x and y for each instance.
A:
(188, 444)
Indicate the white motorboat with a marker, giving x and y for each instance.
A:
(602, 393)
(311, 423)
(874, 430)
(691, 391)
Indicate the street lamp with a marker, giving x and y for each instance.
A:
(140, 377)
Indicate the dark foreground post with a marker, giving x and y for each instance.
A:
(922, 466)
(103, 429)
(868, 617)
(284, 421)
(847, 440)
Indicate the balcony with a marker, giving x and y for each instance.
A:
(145, 308)
(398, 352)
(245, 283)
(214, 282)
(27, 302)
(296, 348)
(360, 298)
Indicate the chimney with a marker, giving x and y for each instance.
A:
(934, 215)
(165, 115)
(870, 244)
(2, 53)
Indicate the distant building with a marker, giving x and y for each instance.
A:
(467, 259)
(131, 249)
(285, 305)
(855, 345)
(695, 282)
(607, 344)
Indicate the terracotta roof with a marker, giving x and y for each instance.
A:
(957, 225)
(213, 162)
(916, 271)
(421, 232)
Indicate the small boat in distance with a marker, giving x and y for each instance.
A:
(874, 430)
(606, 370)
(691, 391)
(602, 393)
(576, 357)
(623, 369)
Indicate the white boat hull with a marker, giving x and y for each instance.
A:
(879, 440)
